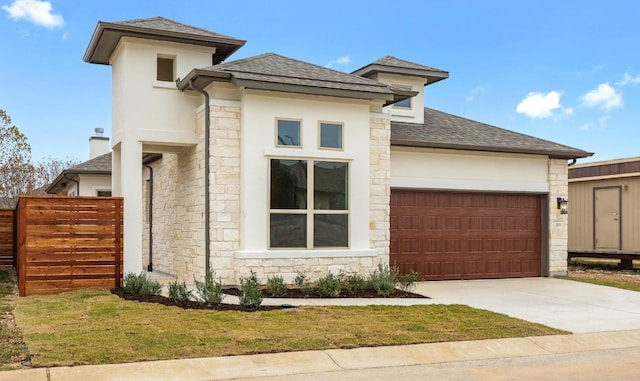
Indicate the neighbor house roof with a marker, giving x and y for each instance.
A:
(393, 65)
(100, 165)
(606, 169)
(271, 71)
(442, 130)
(107, 35)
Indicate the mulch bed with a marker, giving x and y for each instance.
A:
(292, 293)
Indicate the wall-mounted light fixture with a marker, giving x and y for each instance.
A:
(563, 205)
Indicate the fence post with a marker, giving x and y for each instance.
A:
(118, 241)
(22, 246)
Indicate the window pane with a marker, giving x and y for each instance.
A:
(288, 230)
(330, 185)
(288, 184)
(165, 69)
(330, 230)
(406, 103)
(330, 135)
(288, 133)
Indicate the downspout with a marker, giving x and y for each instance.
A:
(573, 162)
(207, 125)
(150, 206)
(75, 181)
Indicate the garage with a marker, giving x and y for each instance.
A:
(463, 235)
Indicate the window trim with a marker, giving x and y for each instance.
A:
(310, 211)
(171, 57)
(277, 119)
(320, 123)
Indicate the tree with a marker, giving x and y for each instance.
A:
(49, 168)
(16, 170)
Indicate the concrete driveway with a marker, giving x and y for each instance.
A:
(572, 306)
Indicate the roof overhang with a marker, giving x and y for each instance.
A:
(431, 76)
(107, 35)
(565, 155)
(71, 175)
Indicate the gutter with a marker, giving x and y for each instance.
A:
(64, 177)
(146, 161)
(207, 207)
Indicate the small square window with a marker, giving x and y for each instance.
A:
(288, 133)
(405, 103)
(330, 135)
(165, 69)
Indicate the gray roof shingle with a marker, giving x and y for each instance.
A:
(96, 165)
(393, 65)
(442, 130)
(168, 25)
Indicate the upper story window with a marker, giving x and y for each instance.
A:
(288, 133)
(165, 69)
(331, 135)
(406, 104)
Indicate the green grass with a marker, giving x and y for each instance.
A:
(95, 327)
(618, 284)
(11, 346)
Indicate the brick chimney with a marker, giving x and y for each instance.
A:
(98, 144)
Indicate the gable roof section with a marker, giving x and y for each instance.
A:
(100, 165)
(442, 130)
(271, 71)
(107, 35)
(393, 65)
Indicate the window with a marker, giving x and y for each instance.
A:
(406, 103)
(309, 204)
(288, 133)
(331, 135)
(103, 193)
(165, 69)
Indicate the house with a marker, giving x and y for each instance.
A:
(605, 214)
(89, 178)
(275, 165)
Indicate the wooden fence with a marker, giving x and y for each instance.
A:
(7, 248)
(68, 243)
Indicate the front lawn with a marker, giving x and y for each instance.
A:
(96, 327)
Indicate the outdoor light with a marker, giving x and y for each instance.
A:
(563, 205)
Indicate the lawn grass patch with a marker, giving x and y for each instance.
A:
(620, 283)
(96, 327)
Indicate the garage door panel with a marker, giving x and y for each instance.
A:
(466, 236)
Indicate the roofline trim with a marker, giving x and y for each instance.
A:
(431, 75)
(55, 183)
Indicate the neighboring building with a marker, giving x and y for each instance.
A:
(89, 178)
(275, 165)
(604, 205)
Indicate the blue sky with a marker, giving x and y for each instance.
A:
(566, 71)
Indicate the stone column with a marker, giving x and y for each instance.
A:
(558, 223)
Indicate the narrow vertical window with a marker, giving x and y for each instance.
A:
(165, 69)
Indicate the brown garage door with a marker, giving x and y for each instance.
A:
(448, 235)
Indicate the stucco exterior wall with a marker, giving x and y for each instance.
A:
(558, 223)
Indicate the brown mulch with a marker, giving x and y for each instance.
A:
(296, 293)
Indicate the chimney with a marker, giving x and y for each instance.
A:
(98, 144)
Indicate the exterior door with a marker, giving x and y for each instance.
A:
(606, 218)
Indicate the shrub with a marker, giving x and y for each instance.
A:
(383, 280)
(250, 294)
(141, 284)
(302, 281)
(179, 293)
(276, 286)
(408, 281)
(209, 292)
(353, 283)
(328, 286)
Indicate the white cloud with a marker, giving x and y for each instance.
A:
(605, 97)
(541, 105)
(344, 61)
(65, 36)
(585, 127)
(38, 12)
(475, 92)
(628, 80)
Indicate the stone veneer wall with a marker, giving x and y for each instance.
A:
(558, 223)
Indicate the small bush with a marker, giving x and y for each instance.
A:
(209, 292)
(179, 293)
(328, 286)
(250, 294)
(276, 286)
(302, 282)
(141, 284)
(353, 283)
(383, 280)
(408, 281)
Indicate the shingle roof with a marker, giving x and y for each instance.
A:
(272, 71)
(98, 164)
(393, 65)
(107, 35)
(442, 130)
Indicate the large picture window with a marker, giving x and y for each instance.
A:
(309, 204)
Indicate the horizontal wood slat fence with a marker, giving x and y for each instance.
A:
(68, 243)
(7, 242)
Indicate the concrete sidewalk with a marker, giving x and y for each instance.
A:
(281, 364)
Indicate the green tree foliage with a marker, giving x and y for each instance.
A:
(16, 170)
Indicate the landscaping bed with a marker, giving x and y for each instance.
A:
(604, 272)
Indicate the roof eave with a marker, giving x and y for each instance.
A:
(431, 76)
(568, 155)
(202, 78)
(107, 35)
